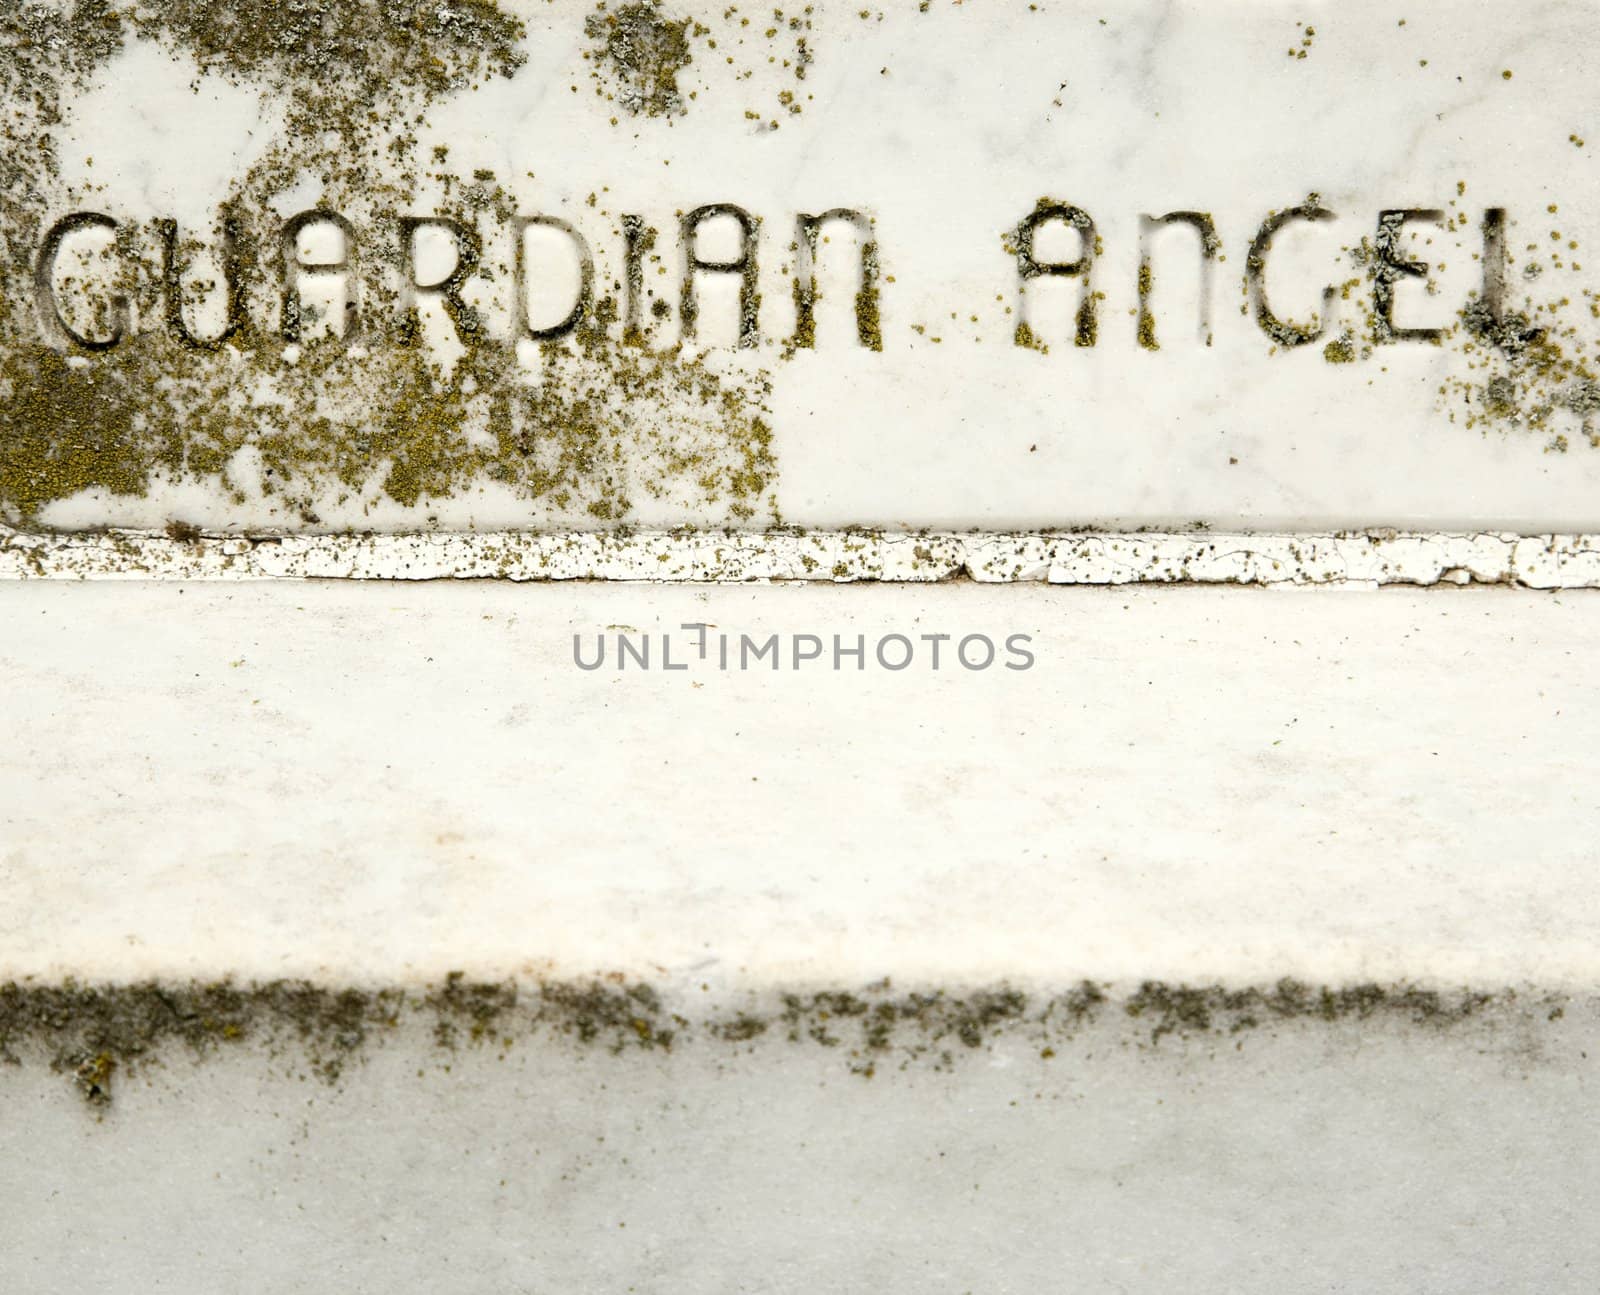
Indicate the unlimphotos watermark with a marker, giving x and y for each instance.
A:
(706, 647)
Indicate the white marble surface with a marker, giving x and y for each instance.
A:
(1312, 1162)
(367, 780)
(947, 127)
(325, 756)
(375, 784)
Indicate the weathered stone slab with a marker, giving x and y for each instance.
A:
(559, 931)
(1378, 1152)
(381, 781)
(355, 932)
(561, 266)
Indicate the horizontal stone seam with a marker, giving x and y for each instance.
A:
(1369, 558)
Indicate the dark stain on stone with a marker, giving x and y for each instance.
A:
(93, 1033)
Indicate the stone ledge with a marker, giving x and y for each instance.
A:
(1348, 558)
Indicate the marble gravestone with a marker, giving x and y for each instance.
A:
(686, 647)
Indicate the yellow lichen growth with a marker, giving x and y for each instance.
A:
(599, 423)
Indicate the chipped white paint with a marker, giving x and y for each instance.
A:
(1366, 558)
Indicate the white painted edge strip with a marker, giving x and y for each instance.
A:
(1360, 559)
